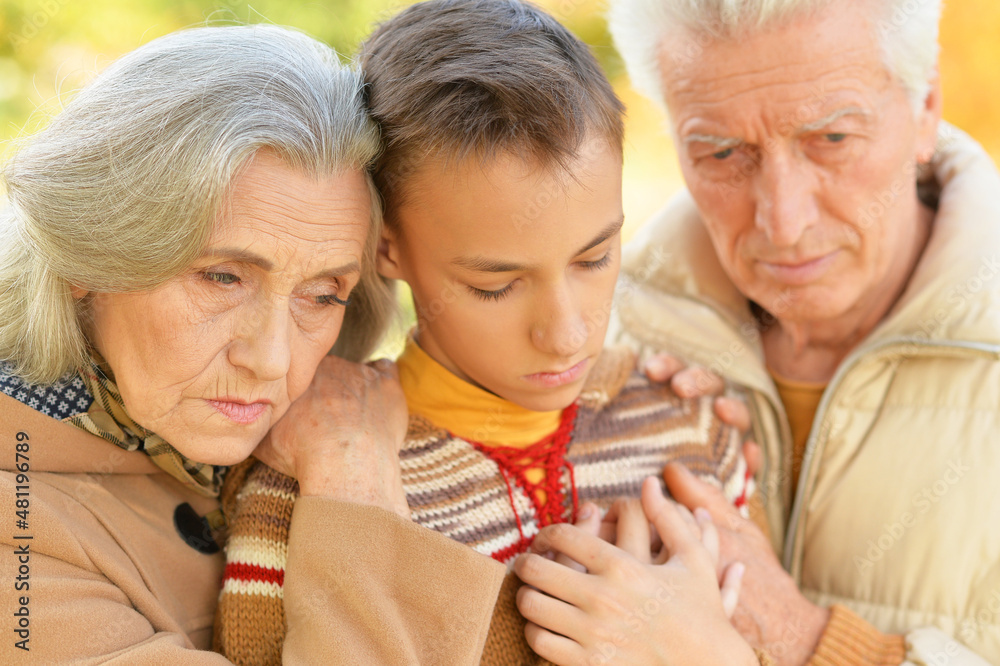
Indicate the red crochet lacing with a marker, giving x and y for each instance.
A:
(547, 496)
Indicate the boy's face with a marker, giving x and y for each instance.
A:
(513, 269)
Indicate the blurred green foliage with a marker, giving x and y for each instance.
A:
(52, 47)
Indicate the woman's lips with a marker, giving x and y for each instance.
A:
(801, 273)
(557, 379)
(240, 412)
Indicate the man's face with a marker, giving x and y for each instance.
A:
(512, 269)
(800, 150)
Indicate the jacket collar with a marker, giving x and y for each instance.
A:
(54, 446)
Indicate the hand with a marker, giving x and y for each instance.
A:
(772, 614)
(624, 610)
(341, 438)
(696, 382)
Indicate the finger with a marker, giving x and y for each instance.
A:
(688, 519)
(675, 532)
(753, 456)
(633, 529)
(608, 532)
(661, 367)
(692, 492)
(732, 581)
(549, 646)
(588, 520)
(551, 614)
(733, 412)
(587, 549)
(709, 535)
(696, 382)
(552, 578)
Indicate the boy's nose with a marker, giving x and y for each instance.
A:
(561, 329)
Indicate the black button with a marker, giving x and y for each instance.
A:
(194, 529)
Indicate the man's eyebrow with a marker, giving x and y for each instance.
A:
(718, 141)
(724, 143)
(834, 117)
(246, 257)
(607, 233)
(487, 265)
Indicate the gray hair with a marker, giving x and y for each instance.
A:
(907, 31)
(121, 191)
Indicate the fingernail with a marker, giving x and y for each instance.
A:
(702, 514)
(739, 569)
(586, 512)
(655, 365)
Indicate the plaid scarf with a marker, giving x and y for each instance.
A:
(89, 400)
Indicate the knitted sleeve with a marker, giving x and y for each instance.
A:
(313, 576)
(850, 641)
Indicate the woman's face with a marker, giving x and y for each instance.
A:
(213, 357)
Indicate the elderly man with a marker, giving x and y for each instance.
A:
(835, 253)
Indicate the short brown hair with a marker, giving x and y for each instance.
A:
(482, 78)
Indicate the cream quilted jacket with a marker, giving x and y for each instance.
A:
(897, 513)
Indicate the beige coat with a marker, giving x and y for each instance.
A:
(897, 513)
(108, 578)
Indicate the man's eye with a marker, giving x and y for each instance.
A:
(836, 137)
(723, 154)
(222, 278)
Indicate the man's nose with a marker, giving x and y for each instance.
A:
(785, 200)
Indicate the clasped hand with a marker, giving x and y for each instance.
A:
(639, 600)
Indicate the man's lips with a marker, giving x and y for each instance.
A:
(800, 272)
(558, 378)
(240, 411)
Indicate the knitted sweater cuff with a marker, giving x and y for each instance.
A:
(848, 640)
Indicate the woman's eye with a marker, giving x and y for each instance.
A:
(836, 137)
(222, 278)
(723, 154)
(332, 299)
(487, 295)
(597, 265)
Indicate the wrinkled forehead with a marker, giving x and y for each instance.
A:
(800, 70)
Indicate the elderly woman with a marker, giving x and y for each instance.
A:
(180, 250)
(835, 254)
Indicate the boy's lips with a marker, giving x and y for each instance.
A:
(558, 378)
(239, 411)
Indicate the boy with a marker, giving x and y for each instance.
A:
(502, 184)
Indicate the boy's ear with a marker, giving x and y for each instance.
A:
(388, 256)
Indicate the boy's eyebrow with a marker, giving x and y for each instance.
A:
(487, 265)
(607, 233)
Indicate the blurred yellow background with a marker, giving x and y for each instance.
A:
(51, 47)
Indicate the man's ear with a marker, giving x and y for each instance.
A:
(928, 119)
(388, 262)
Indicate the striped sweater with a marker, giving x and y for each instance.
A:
(621, 430)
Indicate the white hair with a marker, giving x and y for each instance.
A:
(121, 191)
(907, 31)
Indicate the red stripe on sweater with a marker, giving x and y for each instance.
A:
(251, 573)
